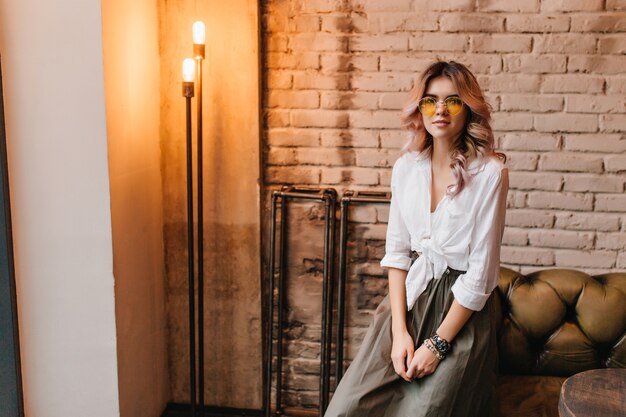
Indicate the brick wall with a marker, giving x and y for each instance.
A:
(337, 72)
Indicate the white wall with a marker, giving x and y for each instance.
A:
(57, 151)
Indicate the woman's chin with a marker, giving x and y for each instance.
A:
(441, 136)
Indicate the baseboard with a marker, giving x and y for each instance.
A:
(183, 410)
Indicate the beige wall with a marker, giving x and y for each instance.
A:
(57, 152)
(131, 64)
(231, 197)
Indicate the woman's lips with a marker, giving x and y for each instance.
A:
(441, 124)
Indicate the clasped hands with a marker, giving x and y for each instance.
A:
(411, 364)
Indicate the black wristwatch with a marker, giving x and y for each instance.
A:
(442, 345)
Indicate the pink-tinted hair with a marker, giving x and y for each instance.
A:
(477, 137)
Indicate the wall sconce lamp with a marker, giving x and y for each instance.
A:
(193, 70)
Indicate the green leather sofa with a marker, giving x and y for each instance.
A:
(555, 323)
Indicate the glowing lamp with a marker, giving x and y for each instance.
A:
(199, 36)
(189, 70)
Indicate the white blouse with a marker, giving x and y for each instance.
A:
(463, 233)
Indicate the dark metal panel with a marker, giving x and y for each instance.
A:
(11, 398)
(349, 197)
(329, 197)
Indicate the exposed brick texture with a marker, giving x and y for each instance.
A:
(336, 74)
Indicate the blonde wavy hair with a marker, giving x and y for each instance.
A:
(477, 137)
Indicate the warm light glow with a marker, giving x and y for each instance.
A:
(189, 70)
(199, 36)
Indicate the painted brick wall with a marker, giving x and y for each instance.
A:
(337, 73)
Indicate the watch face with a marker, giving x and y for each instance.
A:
(442, 345)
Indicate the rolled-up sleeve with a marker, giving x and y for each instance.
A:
(473, 288)
(398, 240)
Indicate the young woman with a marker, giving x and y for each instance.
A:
(431, 348)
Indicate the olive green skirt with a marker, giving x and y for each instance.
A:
(464, 383)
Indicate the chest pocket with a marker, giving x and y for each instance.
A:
(457, 225)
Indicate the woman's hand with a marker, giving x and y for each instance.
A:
(402, 353)
(424, 363)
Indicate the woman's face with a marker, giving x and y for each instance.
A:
(442, 125)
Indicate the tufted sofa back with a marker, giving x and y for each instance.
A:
(561, 321)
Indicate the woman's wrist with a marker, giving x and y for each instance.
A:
(431, 346)
(445, 335)
(399, 328)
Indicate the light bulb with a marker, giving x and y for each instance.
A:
(189, 70)
(199, 36)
